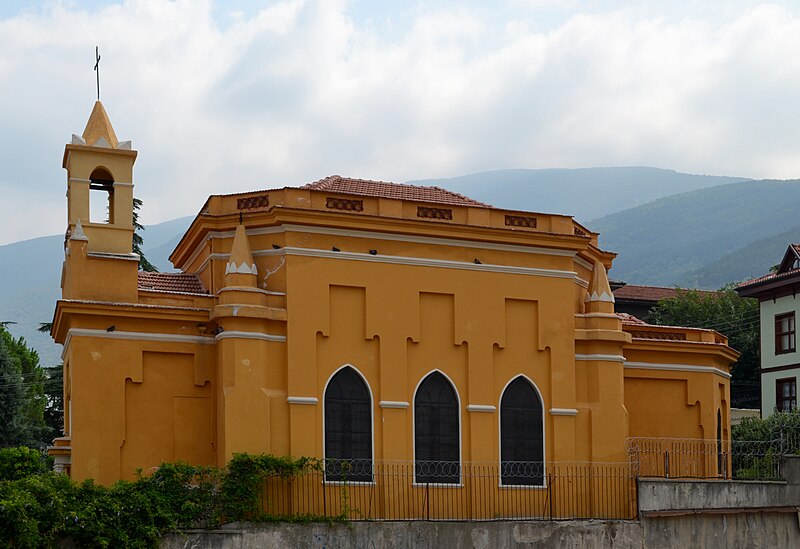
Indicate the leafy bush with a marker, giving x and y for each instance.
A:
(780, 426)
(21, 462)
(38, 507)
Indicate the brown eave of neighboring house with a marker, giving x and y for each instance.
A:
(650, 294)
(768, 283)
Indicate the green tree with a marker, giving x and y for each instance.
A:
(23, 400)
(54, 409)
(12, 399)
(54, 392)
(138, 241)
(732, 316)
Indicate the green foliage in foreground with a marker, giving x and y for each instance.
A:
(780, 426)
(758, 444)
(40, 508)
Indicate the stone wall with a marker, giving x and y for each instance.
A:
(758, 529)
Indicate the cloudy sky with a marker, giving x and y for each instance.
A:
(233, 95)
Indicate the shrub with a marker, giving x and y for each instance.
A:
(780, 426)
(21, 462)
(39, 507)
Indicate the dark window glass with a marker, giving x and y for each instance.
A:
(721, 461)
(348, 428)
(521, 438)
(784, 333)
(786, 397)
(436, 431)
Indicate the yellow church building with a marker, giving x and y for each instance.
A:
(359, 321)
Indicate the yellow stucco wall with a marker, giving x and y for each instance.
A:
(153, 376)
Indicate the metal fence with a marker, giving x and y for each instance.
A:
(386, 490)
(452, 491)
(708, 459)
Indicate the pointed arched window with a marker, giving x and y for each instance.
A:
(521, 435)
(436, 431)
(348, 428)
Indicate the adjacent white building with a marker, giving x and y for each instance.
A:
(779, 297)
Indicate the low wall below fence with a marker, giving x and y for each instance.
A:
(763, 529)
(672, 513)
(680, 496)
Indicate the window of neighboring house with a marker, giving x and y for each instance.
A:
(348, 428)
(784, 333)
(786, 397)
(436, 436)
(521, 435)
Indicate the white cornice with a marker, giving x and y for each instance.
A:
(393, 404)
(678, 368)
(108, 255)
(426, 262)
(250, 335)
(413, 261)
(583, 263)
(563, 412)
(374, 235)
(302, 400)
(248, 289)
(609, 358)
(485, 408)
(140, 336)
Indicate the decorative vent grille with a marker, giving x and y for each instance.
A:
(344, 204)
(520, 221)
(434, 213)
(251, 202)
(672, 336)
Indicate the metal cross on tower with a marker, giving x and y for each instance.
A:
(97, 69)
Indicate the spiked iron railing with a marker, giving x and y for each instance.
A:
(401, 490)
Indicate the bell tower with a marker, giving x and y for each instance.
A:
(98, 164)
(99, 263)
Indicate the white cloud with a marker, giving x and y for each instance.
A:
(301, 90)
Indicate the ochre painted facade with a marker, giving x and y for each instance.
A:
(287, 286)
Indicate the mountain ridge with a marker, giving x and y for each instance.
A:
(28, 295)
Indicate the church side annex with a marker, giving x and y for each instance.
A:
(365, 322)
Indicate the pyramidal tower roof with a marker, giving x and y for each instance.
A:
(99, 127)
(241, 268)
(599, 288)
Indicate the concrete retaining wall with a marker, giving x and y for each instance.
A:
(671, 495)
(657, 496)
(757, 529)
(673, 513)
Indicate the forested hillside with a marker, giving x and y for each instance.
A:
(673, 240)
(585, 193)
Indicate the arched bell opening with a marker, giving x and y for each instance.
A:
(101, 196)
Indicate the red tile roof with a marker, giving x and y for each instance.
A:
(649, 293)
(771, 276)
(630, 319)
(184, 283)
(385, 189)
